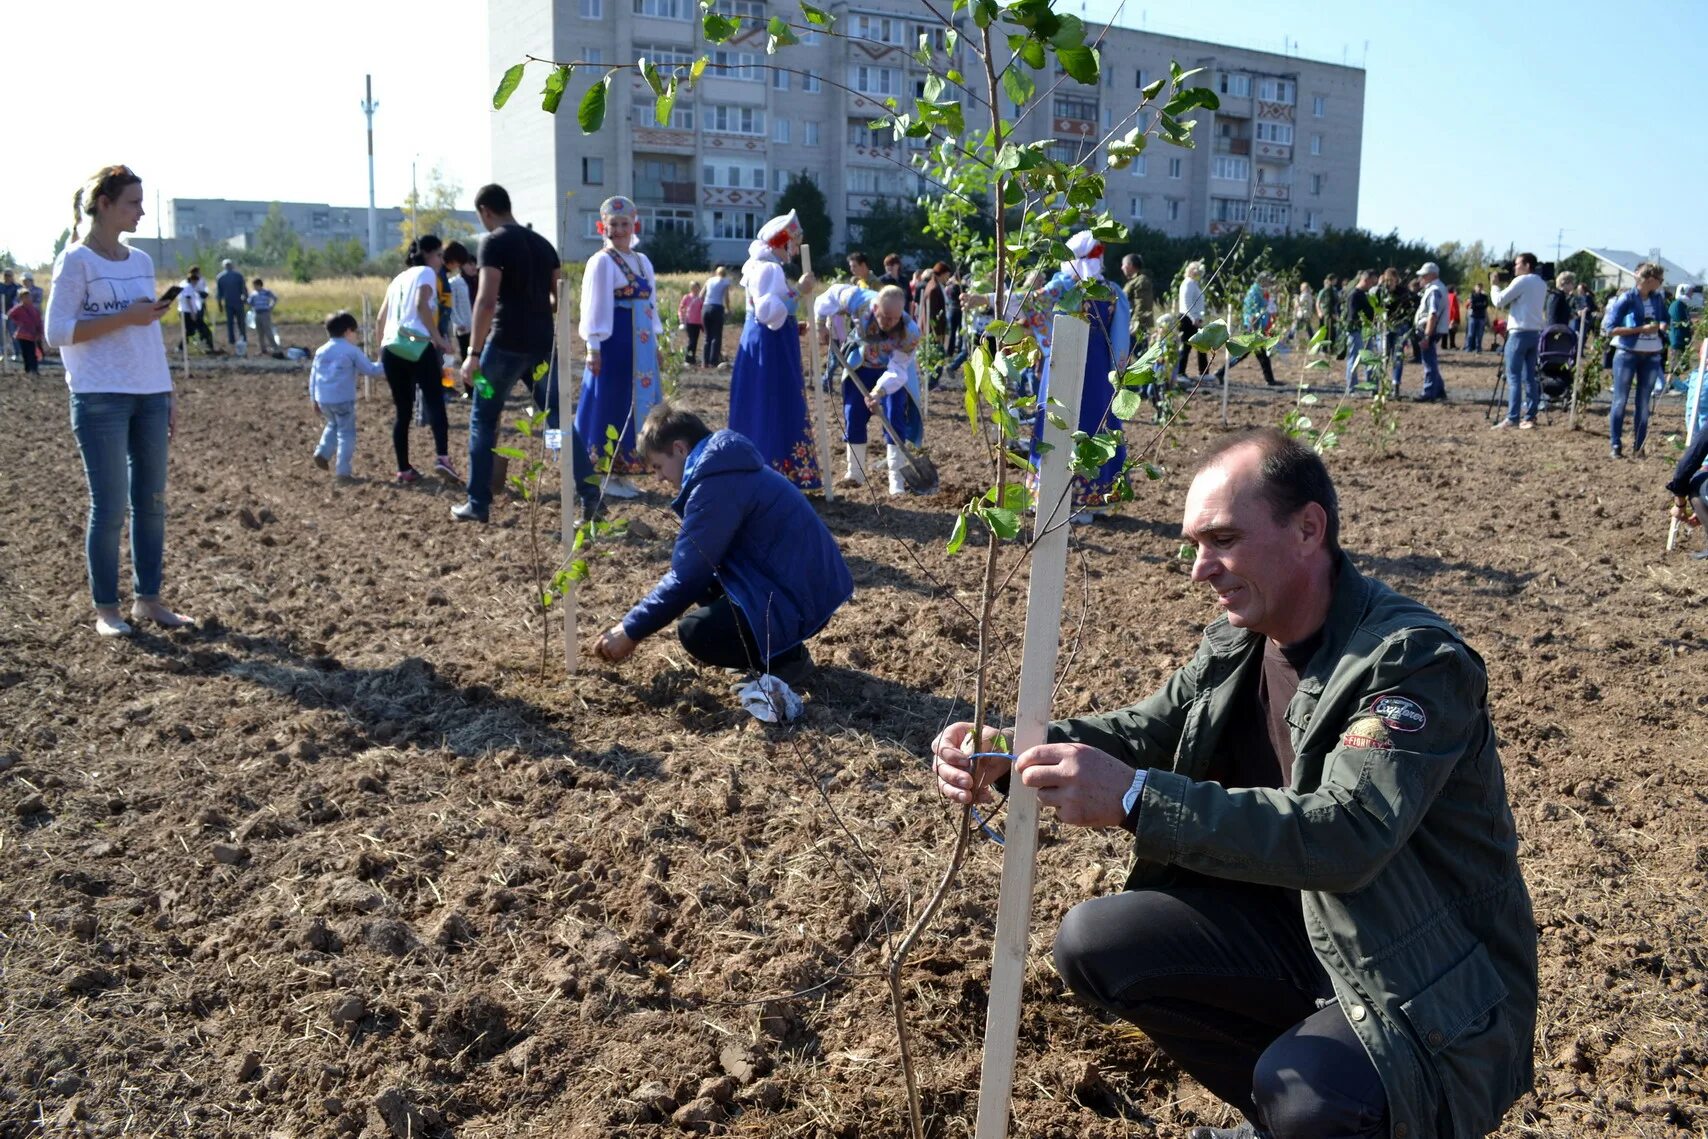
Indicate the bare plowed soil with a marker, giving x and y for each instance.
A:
(340, 863)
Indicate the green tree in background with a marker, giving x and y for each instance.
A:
(276, 240)
(803, 196)
(433, 211)
(343, 258)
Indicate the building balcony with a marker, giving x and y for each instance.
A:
(1272, 192)
(1233, 146)
(665, 193)
(731, 197)
(1073, 128)
(1273, 151)
(861, 203)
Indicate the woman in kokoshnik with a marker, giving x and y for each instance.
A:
(1106, 350)
(619, 321)
(767, 395)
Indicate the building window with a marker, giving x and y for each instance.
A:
(1275, 132)
(734, 175)
(592, 171)
(749, 9)
(810, 82)
(861, 134)
(662, 9)
(666, 180)
(1070, 153)
(1139, 166)
(1311, 221)
(1233, 83)
(592, 9)
(780, 130)
(780, 79)
(724, 119)
(1174, 209)
(666, 219)
(1074, 107)
(811, 131)
(1138, 78)
(879, 29)
(592, 55)
(665, 55)
(1174, 167)
(1267, 213)
(875, 80)
(1228, 209)
(1316, 185)
(590, 225)
(1316, 144)
(743, 65)
(1230, 168)
(1137, 208)
(734, 225)
(1317, 105)
(1276, 90)
(681, 117)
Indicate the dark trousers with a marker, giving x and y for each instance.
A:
(1222, 977)
(27, 353)
(712, 316)
(405, 378)
(234, 324)
(196, 326)
(693, 341)
(716, 633)
(1188, 330)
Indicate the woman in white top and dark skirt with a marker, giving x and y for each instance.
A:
(414, 355)
(105, 320)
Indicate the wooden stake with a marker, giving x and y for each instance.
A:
(1227, 364)
(367, 345)
(1068, 343)
(566, 444)
(184, 344)
(821, 427)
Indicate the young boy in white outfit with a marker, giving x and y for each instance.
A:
(332, 385)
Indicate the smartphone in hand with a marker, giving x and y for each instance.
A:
(170, 294)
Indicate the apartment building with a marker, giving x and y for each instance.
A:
(1280, 155)
(192, 222)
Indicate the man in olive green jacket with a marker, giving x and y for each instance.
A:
(1325, 922)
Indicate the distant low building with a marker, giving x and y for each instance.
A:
(1617, 269)
(187, 223)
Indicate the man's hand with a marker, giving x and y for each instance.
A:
(1083, 784)
(593, 362)
(147, 314)
(469, 366)
(807, 284)
(872, 403)
(614, 645)
(957, 779)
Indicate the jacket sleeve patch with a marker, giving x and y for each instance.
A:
(1399, 713)
(1367, 732)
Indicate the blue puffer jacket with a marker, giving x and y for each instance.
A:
(748, 528)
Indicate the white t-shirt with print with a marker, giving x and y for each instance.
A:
(402, 297)
(86, 285)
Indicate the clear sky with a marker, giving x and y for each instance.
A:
(1507, 122)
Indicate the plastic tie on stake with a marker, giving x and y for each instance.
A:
(984, 824)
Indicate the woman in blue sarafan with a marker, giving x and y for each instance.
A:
(1106, 350)
(872, 333)
(767, 391)
(619, 321)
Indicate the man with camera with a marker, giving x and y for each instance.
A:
(1521, 293)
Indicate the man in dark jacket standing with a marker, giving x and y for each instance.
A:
(233, 297)
(754, 573)
(1325, 923)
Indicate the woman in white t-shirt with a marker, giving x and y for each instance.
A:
(414, 355)
(1191, 313)
(104, 319)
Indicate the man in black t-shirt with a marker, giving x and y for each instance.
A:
(512, 335)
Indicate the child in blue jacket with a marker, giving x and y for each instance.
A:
(332, 386)
(755, 572)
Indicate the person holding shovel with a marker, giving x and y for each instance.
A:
(878, 347)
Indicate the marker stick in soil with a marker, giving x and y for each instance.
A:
(1068, 343)
(367, 345)
(816, 393)
(566, 442)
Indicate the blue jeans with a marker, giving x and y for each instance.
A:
(1434, 387)
(1474, 333)
(122, 438)
(1355, 345)
(1634, 374)
(339, 436)
(1395, 350)
(1523, 375)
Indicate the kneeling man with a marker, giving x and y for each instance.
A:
(754, 574)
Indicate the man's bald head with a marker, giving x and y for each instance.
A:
(1284, 471)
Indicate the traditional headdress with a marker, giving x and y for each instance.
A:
(1088, 256)
(617, 207)
(776, 234)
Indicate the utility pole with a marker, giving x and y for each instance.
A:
(414, 200)
(368, 109)
(1559, 245)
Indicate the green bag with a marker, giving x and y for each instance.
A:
(408, 344)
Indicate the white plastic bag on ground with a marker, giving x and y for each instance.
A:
(769, 699)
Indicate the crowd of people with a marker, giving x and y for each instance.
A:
(1325, 923)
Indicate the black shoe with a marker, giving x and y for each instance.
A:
(1616, 453)
(468, 512)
